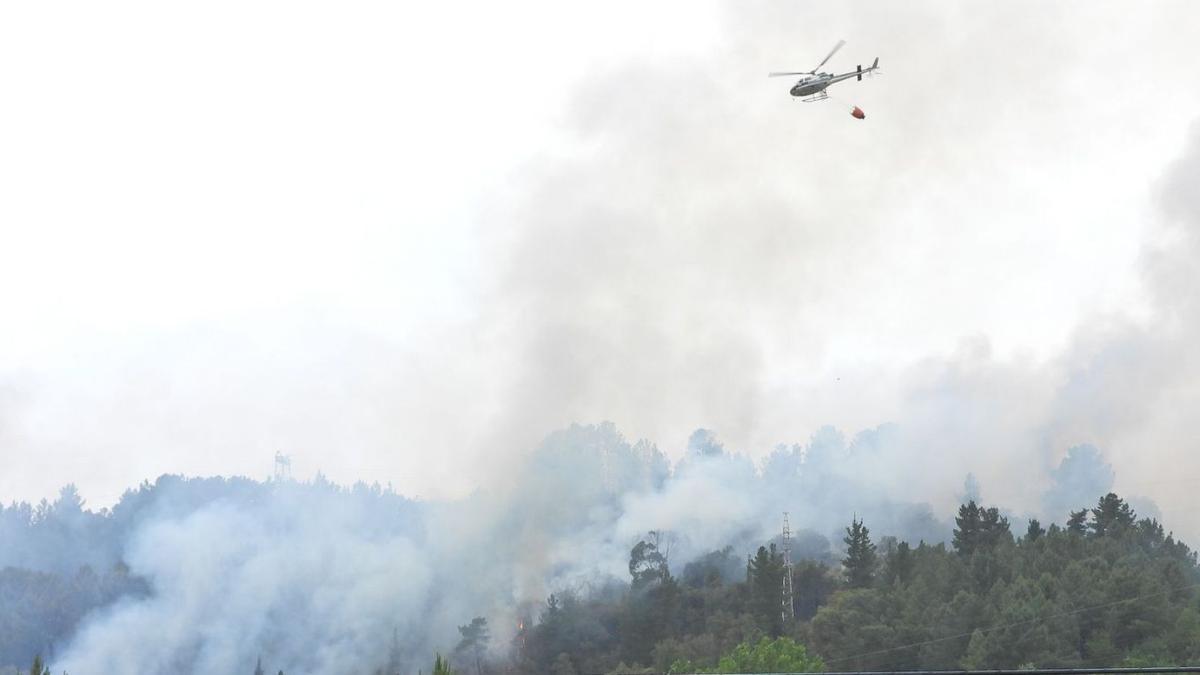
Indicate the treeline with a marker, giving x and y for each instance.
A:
(1103, 589)
(61, 562)
(58, 562)
(42, 606)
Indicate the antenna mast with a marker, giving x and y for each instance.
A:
(787, 605)
(283, 467)
(606, 471)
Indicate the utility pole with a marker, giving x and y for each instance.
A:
(787, 606)
(606, 470)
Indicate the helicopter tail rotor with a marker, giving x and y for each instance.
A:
(870, 70)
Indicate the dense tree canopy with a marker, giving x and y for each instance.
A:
(781, 655)
(860, 559)
(1103, 588)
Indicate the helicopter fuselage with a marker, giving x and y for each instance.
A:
(812, 86)
(809, 86)
(815, 84)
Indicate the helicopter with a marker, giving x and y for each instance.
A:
(811, 87)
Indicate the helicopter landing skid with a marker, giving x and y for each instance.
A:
(816, 97)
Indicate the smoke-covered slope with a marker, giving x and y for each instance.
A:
(318, 578)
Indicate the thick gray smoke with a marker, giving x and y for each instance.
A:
(677, 268)
(702, 251)
(1122, 384)
(318, 579)
(684, 265)
(309, 577)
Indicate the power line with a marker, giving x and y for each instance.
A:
(1152, 670)
(1030, 671)
(1156, 669)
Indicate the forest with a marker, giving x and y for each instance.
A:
(554, 577)
(1103, 589)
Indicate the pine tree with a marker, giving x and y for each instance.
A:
(966, 534)
(1077, 523)
(765, 576)
(1112, 516)
(977, 651)
(1034, 531)
(258, 668)
(860, 555)
(475, 637)
(394, 656)
(899, 564)
(39, 668)
(993, 528)
(979, 529)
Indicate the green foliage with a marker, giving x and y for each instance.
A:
(37, 608)
(39, 668)
(860, 559)
(764, 574)
(712, 569)
(1077, 522)
(474, 642)
(1097, 593)
(979, 529)
(856, 622)
(647, 563)
(898, 565)
(652, 609)
(967, 531)
(1034, 531)
(1103, 590)
(781, 655)
(441, 666)
(1112, 516)
(813, 584)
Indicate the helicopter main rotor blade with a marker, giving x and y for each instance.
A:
(784, 74)
(831, 53)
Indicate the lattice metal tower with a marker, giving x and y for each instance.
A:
(787, 606)
(606, 471)
(283, 467)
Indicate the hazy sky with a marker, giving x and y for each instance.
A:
(403, 241)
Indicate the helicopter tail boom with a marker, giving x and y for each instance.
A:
(870, 71)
